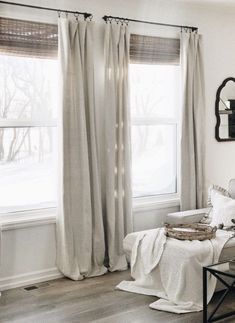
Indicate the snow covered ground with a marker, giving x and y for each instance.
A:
(27, 185)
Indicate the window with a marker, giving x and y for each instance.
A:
(154, 79)
(28, 113)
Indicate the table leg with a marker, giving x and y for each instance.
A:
(204, 295)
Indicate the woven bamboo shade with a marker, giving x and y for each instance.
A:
(154, 50)
(28, 38)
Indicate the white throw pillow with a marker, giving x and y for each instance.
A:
(223, 209)
(217, 189)
(213, 188)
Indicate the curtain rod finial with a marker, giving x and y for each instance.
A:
(87, 15)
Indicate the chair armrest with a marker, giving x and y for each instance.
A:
(186, 217)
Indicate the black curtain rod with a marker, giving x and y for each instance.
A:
(85, 14)
(126, 20)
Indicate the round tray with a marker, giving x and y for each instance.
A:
(190, 231)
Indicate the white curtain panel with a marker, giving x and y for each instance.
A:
(80, 234)
(117, 133)
(193, 116)
(0, 248)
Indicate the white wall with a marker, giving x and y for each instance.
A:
(29, 253)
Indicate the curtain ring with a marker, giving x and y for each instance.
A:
(76, 15)
(59, 13)
(90, 17)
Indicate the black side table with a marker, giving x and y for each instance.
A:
(220, 271)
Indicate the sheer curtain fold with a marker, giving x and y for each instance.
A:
(80, 233)
(192, 128)
(117, 134)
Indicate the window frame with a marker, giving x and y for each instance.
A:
(41, 209)
(14, 123)
(159, 201)
(43, 43)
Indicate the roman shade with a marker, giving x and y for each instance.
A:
(28, 38)
(154, 50)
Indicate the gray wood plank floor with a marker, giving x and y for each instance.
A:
(90, 300)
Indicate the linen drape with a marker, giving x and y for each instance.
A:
(192, 127)
(80, 233)
(117, 134)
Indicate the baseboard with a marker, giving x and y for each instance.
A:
(29, 278)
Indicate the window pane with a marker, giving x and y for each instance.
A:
(28, 93)
(27, 168)
(154, 166)
(154, 90)
(28, 88)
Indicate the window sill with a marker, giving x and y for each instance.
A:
(155, 203)
(20, 220)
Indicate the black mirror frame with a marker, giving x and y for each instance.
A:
(217, 109)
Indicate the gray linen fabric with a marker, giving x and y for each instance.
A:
(192, 128)
(80, 233)
(117, 134)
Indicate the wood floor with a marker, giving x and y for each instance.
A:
(91, 300)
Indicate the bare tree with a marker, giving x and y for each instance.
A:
(24, 95)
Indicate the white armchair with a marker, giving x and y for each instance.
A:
(195, 216)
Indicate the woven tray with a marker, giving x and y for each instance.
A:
(190, 231)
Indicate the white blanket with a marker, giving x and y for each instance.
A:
(172, 269)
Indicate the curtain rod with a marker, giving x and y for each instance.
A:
(126, 20)
(85, 14)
